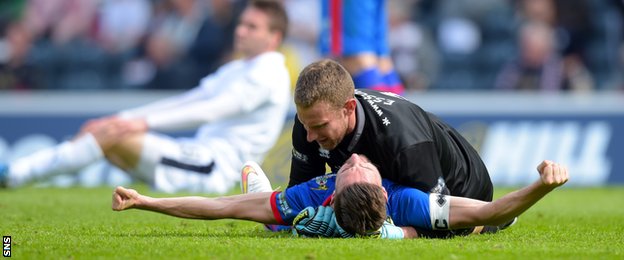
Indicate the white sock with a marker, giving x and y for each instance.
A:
(66, 157)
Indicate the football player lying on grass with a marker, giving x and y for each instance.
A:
(309, 207)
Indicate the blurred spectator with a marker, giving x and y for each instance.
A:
(460, 36)
(301, 45)
(65, 47)
(574, 27)
(542, 11)
(569, 18)
(304, 28)
(577, 77)
(175, 27)
(188, 39)
(411, 47)
(15, 72)
(207, 51)
(573, 31)
(122, 24)
(498, 36)
(539, 65)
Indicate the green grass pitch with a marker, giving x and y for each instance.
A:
(77, 223)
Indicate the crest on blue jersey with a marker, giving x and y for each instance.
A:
(321, 181)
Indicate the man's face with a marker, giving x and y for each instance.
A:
(253, 35)
(325, 124)
(357, 169)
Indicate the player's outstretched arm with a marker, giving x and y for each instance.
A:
(466, 212)
(251, 206)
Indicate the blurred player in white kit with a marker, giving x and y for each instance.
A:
(238, 111)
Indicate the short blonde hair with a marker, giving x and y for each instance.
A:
(325, 81)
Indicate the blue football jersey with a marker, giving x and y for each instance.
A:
(406, 206)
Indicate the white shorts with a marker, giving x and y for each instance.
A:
(184, 164)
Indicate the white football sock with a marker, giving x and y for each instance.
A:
(66, 157)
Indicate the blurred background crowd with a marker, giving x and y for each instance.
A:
(547, 45)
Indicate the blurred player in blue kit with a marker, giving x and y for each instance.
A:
(308, 206)
(238, 112)
(354, 32)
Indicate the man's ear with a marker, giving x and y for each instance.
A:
(350, 106)
(276, 39)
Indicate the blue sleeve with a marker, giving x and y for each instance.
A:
(294, 199)
(408, 206)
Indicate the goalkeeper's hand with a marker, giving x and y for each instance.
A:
(387, 231)
(390, 231)
(319, 222)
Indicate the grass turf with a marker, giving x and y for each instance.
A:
(78, 223)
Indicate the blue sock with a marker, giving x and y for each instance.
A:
(393, 83)
(372, 78)
(368, 78)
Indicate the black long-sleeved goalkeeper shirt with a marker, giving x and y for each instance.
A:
(409, 146)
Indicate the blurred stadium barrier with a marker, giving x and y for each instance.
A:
(512, 131)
